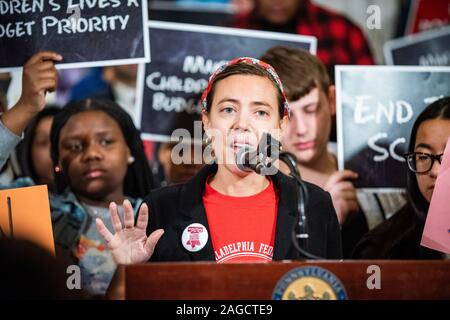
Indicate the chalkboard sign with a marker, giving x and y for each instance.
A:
(431, 48)
(85, 32)
(376, 109)
(212, 14)
(182, 58)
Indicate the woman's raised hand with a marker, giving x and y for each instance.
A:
(129, 244)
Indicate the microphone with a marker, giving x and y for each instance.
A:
(259, 159)
(247, 159)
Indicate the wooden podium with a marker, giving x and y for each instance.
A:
(211, 281)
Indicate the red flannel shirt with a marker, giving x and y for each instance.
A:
(339, 41)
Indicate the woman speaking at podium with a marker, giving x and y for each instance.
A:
(223, 213)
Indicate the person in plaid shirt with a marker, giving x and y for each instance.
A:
(339, 40)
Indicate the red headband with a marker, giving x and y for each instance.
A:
(247, 60)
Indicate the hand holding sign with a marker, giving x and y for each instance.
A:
(86, 33)
(39, 76)
(343, 193)
(130, 244)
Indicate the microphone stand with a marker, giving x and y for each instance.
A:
(269, 148)
(299, 232)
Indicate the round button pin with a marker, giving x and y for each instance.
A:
(195, 237)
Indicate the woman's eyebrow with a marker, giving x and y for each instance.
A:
(76, 136)
(262, 103)
(103, 132)
(424, 145)
(228, 100)
(233, 100)
(80, 135)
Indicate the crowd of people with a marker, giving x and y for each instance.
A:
(113, 204)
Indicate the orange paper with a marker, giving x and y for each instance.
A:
(30, 212)
(436, 234)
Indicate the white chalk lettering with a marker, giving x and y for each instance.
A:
(198, 64)
(158, 82)
(394, 111)
(385, 152)
(21, 6)
(83, 25)
(372, 144)
(161, 102)
(435, 59)
(89, 4)
(16, 30)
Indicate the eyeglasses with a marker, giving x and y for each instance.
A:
(420, 162)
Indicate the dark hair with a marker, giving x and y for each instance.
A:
(299, 71)
(23, 149)
(243, 68)
(138, 180)
(4, 85)
(2, 102)
(439, 109)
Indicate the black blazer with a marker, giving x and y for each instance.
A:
(175, 207)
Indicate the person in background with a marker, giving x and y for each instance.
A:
(339, 41)
(6, 170)
(4, 84)
(179, 172)
(97, 153)
(121, 89)
(33, 152)
(99, 157)
(115, 83)
(90, 85)
(399, 237)
(176, 159)
(243, 6)
(312, 99)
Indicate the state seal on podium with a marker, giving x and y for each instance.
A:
(309, 283)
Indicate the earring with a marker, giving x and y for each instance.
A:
(57, 169)
(209, 149)
(207, 141)
(130, 159)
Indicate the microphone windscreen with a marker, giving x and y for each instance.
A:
(244, 158)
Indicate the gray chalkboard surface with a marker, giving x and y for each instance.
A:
(85, 33)
(431, 48)
(182, 58)
(376, 109)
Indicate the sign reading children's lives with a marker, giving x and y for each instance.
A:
(84, 32)
(376, 109)
(182, 58)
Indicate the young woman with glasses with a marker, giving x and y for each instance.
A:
(400, 236)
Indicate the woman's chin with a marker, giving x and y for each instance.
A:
(233, 168)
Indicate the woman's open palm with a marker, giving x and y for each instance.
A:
(129, 244)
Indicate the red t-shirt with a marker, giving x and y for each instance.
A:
(242, 229)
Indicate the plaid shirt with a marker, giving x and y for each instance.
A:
(339, 41)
